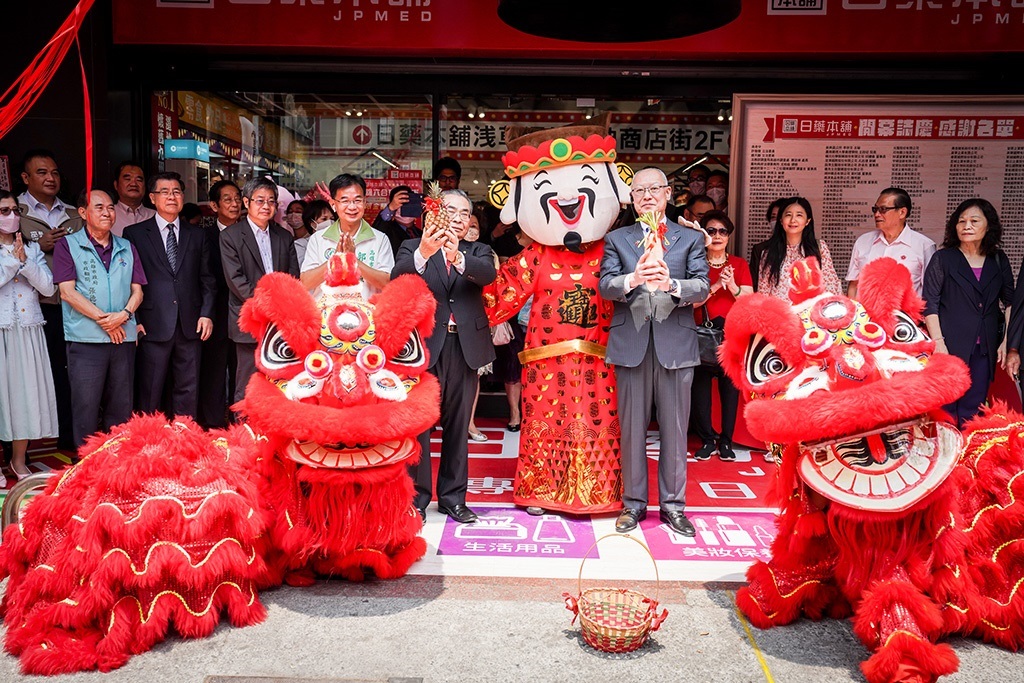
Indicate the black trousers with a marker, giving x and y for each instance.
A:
(101, 386)
(728, 396)
(458, 388)
(215, 384)
(53, 330)
(968, 405)
(174, 362)
(245, 367)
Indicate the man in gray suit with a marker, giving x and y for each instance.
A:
(653, 348)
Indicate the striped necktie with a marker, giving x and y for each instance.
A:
(172, 247)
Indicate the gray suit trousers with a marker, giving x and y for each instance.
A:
(670, 389)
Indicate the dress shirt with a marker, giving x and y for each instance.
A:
(421, 263)
(125, 215)
(910, 249)
(221, 227)
(263, 242)
(53, 216)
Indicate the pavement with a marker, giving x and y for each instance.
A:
(435, 628)
(501, 616)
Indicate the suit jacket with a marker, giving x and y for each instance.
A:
(968, 309)
(220, 302)
(675, 338)
(1015, 331)
(459, 295)
(184, 294)
(243, 267)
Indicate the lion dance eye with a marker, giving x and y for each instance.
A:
(412, 353)
(906, 332)
(763, 362)
(275, 351)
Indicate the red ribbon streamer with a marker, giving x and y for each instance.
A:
(18, 99)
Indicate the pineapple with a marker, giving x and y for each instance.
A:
(435, 217)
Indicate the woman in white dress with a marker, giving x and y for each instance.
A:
(28, 408)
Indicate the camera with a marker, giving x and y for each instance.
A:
(414, 207)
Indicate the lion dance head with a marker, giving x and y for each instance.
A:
(852, 388)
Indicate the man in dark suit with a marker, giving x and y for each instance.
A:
(455, 271)
(250, 249)
(217, 363)
(653, 347)
(177, 305)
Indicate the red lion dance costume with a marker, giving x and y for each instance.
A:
(884, 513)
(164, 522)
(565, 192)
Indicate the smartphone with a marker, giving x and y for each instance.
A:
(414, 207)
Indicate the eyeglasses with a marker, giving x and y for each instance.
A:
(639, 192)
(358, 201)
(169, 193)
(884, 209)
(7, 211)
(717, 231)
(263, 202)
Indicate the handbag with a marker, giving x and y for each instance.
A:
(501, 334)
(709, 338)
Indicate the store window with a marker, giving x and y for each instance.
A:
(297, 139)
(670, 134)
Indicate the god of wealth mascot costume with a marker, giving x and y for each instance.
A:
(162, 522)
(885, 514)
(565, 192)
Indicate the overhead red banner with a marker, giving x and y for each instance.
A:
(472, 29)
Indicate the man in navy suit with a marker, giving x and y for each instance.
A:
(455, 271)
(653, 348)
(249, 249)
(177, 306)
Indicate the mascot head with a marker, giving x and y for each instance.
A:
(853, 386)
(564, 188)
(342, 381)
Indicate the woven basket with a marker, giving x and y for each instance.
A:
(615, 619)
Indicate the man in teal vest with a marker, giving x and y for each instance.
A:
(100, 279)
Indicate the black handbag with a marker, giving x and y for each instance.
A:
(709, 338)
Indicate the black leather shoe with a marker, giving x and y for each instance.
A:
(513, 427)
(725, 451)
(423, 515)
(679, 523)
(460, 513)
(628, 519)
(705, 451)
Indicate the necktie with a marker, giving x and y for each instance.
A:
(172, 247)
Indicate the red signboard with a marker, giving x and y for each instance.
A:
(472, 29)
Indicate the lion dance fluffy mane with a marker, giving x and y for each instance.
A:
(887, 513)
(162, 522)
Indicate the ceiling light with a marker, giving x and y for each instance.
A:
(481, 113)
(348, 112)
(360, 113)
(472, 113)
(730, 115)
(476, 181)
(721, 115)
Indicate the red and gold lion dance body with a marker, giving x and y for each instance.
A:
(164, 522)
(885, 514)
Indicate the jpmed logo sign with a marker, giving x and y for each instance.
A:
(797, 7)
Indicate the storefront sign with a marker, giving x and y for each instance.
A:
(165, 123)
(472, 29)
(186, 149)
(5, 173)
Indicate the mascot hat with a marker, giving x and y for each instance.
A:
(535, 149)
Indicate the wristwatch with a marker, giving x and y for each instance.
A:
(459, 258)
(674, 289)
(131, 316)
